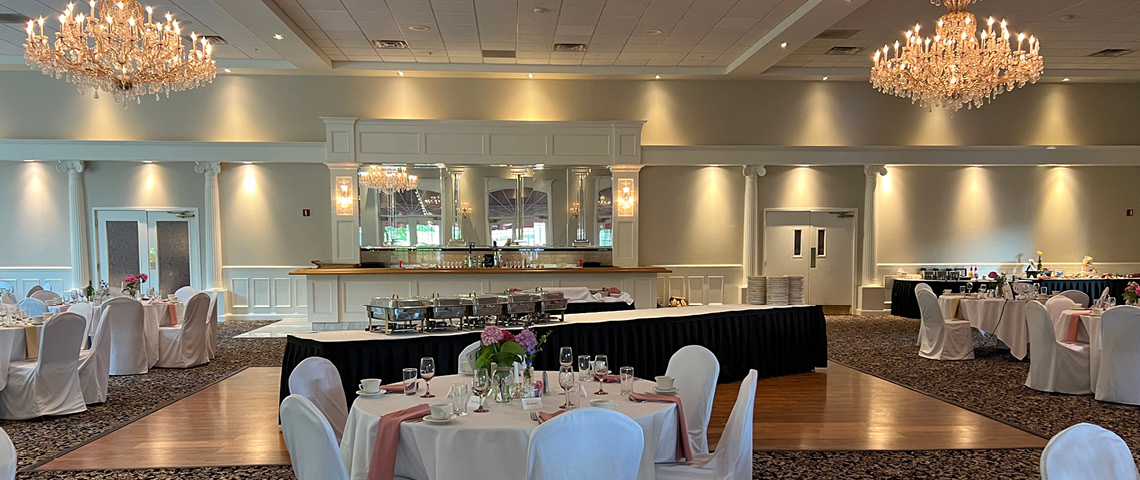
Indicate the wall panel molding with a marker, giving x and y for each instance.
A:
(264, 292)
(711, 284)
(22, 279)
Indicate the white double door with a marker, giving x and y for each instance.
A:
(817, 245)
(163, 244)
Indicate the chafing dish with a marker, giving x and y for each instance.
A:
(487, 305)
(448, 308)
(522, 303)
(552, 303)
(399, 314)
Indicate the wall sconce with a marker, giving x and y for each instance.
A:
(574, 209)
(465, 209)
(625, 197)
(345, 196)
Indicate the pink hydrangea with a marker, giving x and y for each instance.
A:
(491, 335)
(143, 277)
(507, 336)
(527, 340)
(130, 279)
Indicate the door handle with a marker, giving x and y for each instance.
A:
(812, 257)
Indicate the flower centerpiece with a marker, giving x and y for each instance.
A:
(532, 344)
(1131, 293)
(999, 287)
(132, 283)
(501, 348)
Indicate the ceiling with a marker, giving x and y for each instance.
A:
(621, 38)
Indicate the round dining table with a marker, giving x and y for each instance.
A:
(493, 444)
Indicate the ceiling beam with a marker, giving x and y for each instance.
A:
(265, 19)
(808, 21)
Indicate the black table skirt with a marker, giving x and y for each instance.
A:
(904, 303)
(591, 307)
(778, 341)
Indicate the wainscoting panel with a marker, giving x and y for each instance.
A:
(264, 292)
(701, 284)
(22, 279)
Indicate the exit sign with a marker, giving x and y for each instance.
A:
(305, 212)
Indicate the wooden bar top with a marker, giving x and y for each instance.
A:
(475, 271)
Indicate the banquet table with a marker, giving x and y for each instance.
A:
(905, 304)
(489, 445)
(1001, 317)
(155, 315)
(1091, 323)
(13, 347)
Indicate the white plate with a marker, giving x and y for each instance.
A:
(366, 394)
(666, 392)
(432, 420)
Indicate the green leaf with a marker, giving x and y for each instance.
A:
(513, 348)
(484, 359)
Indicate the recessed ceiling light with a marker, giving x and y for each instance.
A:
(657, 77)
(803, 165)
(825, 79)
(784, 45)
(419, 28)
(540, 10)
(530, 75)
(400, 72)
(1063, 166)
(148, 161)
(226, 70)
(278, 36)
(247, 163)
(653, 32)
(30, 161)
(1050, 147)
(1066, 79)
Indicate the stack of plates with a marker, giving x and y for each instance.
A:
(777, 291)
(795, 290)
(757, 290)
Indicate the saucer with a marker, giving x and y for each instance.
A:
(665, 392)
(431, 419)
(367, 395)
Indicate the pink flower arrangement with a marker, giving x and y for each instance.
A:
(527, 340)
(130, 279)
(491, 335)
(1131, 291)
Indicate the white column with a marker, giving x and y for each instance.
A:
(751, 219)
(870, 254)
(77, 214)
(211, 226)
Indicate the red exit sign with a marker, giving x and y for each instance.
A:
(305, 212)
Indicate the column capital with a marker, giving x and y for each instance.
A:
(208, 168)
(871, 170)
(625, 168)
(70, 166)
(757, 170)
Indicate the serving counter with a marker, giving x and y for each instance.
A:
(338, 295)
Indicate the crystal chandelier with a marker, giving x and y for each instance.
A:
(117, 52)
(388, 179)
(954, 68)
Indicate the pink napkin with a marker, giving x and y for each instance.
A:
(393, 388)
(547, 416)
(683, 449)
(171, 312)
(611, 379)
(388, 437)
(1074, 324)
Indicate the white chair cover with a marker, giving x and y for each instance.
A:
(87, 312)
(1078, 297)
(34, 289)
(318, 380)
(183, 294)
(1061, 367)
(34, 307)
(48, 385)
(695, 370)
(6, 298)
(733, 457)
(1053, 308)
(184, 345)
(95, 365)
(921, 328)
(125, 318)
(1119, 356)
(49, 297)
(594, 443)
(468, 356)
(8, 459)
(943, 339)
(1087, 452)
(212, 328)
(312, 446)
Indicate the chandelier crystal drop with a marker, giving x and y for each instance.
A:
(957, 67)
(388, 179)
(114, 50)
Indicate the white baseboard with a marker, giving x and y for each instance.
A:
(873, 313)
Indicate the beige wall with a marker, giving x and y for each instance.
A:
(262, 222)
(691, 215)
(682, 112)
(34, 223)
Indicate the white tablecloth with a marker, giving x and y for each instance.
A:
(489, 445)
(155, 315)
(1004, 318)
(13, 347)
(1091, 324)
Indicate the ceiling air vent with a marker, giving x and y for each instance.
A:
(13, 18)
(844, 50)
(837, 34)
(498, 54)
(213, 39)
(569, 47)
(390, 44)
(1112, 52)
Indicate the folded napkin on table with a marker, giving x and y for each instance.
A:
(1075, 323)
(683, 449)
(545, 417)
(393, 388)
(383, 465)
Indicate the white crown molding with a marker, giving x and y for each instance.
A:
(891, 155)
(134, 151)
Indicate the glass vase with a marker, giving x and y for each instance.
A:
(504, 383)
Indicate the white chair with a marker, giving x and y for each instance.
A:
(1078, 297)
(87, 312)
(95, 365)
(695, 371)
(468, 356)
(49, 297)
(921, 328)
(8, 464)
(313, 449)
(34, 307)
(1061, 367)
(1087, 452)
(733, 457)
(34, 289)
(317, 379)
(124, 318)
(212, 328)
(184, 345)
(7, 298)
(1116, 380)
(183, 294)
(1053, 308)
(48, 385)
(943, 339)
(593, 443)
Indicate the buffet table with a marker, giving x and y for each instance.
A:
(904, 303)
(773, 340)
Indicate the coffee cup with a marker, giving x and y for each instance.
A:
(664, 382)
(370, 385)
(441, 411)
(601, 403)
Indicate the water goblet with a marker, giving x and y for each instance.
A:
(457, 394)
(583, 367)
(427, 370)
(601, 368)
(567, 381)
(566, 356)
(481, 386)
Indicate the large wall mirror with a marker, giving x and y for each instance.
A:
(453, 205)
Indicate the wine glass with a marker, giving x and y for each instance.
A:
(567, 381)
(427, 370)
(481, 386)
(566, 356)
(3, 316)
(982, 290)
(1109, 303)
(601, 368)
